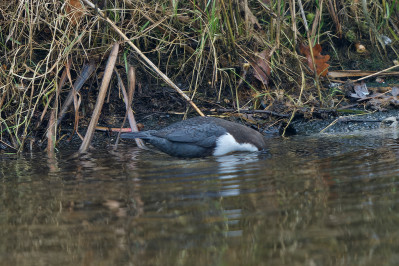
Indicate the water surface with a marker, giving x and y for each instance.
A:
(316, 200)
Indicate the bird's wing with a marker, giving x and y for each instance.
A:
(204, 136)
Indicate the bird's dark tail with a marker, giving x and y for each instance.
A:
(136, 135)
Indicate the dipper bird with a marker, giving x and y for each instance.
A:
(202, 136)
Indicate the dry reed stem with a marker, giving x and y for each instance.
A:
(128, 97)
(332, 8)
(87, 69)
(316, 22)
(52, 124)
(131, 77)
(146, 59)
(51, 135)
(100, 99)
(377, 73)
(129, 111)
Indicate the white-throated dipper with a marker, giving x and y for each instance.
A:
(202, 136)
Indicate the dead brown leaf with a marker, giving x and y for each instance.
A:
(320, 61)
(261, 64)
(375, 100)
(74, 11)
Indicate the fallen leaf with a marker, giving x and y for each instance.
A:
(395, 91)
(320, 61)
(361, 91)
(378, 104)
(376, 101)
(74, 11)
(262, 67)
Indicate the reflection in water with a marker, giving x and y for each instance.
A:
(230, 167)
(313, 201)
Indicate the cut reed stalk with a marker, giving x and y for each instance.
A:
(100, 99)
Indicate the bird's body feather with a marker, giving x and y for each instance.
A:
(198, 137)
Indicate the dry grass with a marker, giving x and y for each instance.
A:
(204, 43)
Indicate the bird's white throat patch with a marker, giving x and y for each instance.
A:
(227, 143)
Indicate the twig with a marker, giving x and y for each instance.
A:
(289, 122)
(148, 61)
(8, 145)
(252, 112)
(113, 129)
(377, 73)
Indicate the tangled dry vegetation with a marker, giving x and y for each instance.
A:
(234, 54)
